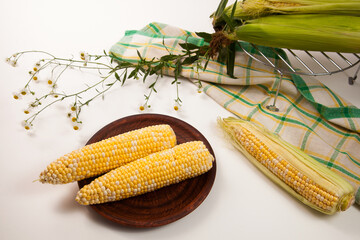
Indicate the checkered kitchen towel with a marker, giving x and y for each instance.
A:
(310, 115)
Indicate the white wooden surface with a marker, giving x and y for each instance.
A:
(243, 203)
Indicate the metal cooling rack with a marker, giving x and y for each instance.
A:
(308, 63)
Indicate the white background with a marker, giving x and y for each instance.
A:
(243, 203)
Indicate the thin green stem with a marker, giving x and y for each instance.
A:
(63, 98)
(82, 61)
(32, 117)
(33, 51)
(152, 89)
(66, 67)
(143, 68)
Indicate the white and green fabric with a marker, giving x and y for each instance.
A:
(310, 115)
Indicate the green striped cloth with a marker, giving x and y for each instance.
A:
(310, 115)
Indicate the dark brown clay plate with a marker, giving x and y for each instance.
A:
(164, 205)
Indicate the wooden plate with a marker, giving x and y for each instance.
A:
(164, 205)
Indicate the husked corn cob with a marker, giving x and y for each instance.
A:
(314, 25)
(100, 157)
(147, 174)
(295, 171)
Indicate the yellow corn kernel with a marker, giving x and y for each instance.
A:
(147, 174)
(295, 171)
(100, 157)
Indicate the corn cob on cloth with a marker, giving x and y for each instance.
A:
(310, 116)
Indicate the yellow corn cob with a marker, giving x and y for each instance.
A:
(100, 157)
(155, 171)
(298, 173)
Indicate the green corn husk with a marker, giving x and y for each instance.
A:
(251, 9)
(316, 25)
(313, 32)
(292, 169)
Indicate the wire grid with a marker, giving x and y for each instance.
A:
(309, 63)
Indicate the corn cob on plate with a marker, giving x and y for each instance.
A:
(110, 153)
(164, 205)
